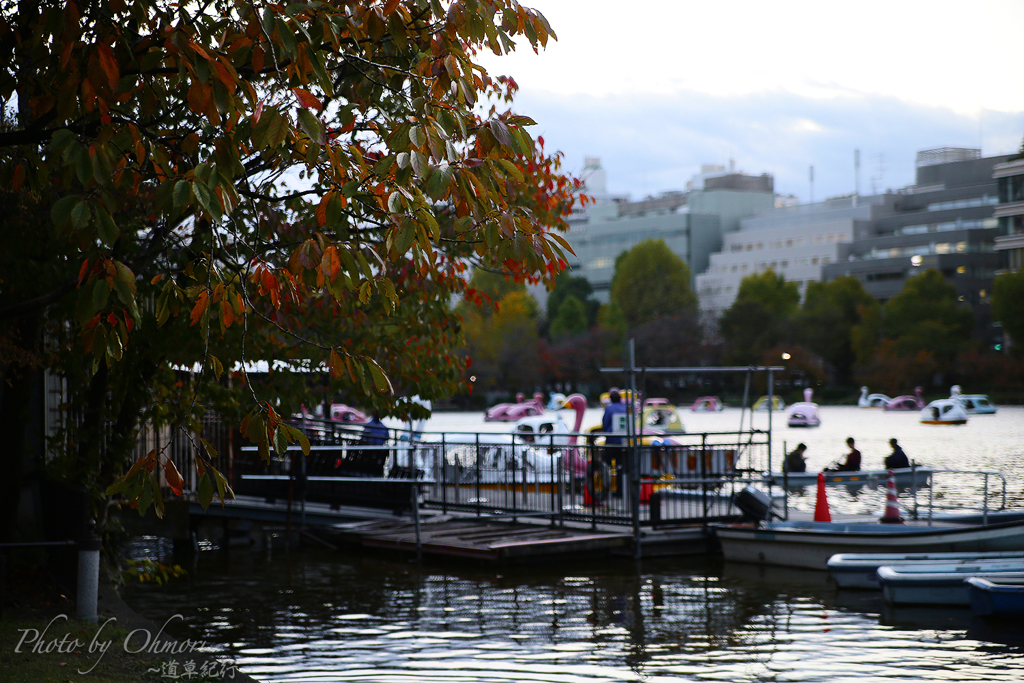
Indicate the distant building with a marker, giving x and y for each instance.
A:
(794, 241)
(945, 221)
(691, 223)
(1009, 177)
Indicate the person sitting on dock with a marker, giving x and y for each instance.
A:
(852, 463)
(897, 459)
(795, 461)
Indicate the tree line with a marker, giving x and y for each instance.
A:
(836, 338)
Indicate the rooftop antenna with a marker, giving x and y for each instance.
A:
(812, 184)
(877, 178)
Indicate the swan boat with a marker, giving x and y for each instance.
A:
(907, 402)
(945, 411)
(707, 404)
(777, 404)
(804, 413)
(973, 404)
(512, 412)
(867, 400)
(531, 452)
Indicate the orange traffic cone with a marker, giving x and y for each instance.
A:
(821, 513)
(892, 508)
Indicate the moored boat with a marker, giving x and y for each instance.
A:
(941, 584)
(859, 570)
(907, 402)
(707, 404)
(973, 404)
(811, 544)
(996, 596)
(777, 404)
(944, 411)
(804, 413)
(872, 400)
(904, 476)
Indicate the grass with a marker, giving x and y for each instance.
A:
(41, 641)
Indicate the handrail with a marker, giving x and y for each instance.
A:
(984, 507)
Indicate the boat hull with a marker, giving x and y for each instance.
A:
(919, 476)
(860, 570)
(931, 586)
(995, 597)
(811, 544)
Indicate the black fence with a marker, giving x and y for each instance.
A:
(659, 480)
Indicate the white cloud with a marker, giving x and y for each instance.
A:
(659, 87)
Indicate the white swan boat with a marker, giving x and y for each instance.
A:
(944, 411)
(867, 400)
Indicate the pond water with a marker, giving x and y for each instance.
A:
(314, 615)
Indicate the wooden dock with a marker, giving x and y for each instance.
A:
(500, 541)
(488, 540)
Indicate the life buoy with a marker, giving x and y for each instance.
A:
(599, 481)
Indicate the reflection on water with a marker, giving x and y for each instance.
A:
(319, 616)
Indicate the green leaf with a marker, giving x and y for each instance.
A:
(182, 193)
(60, 212)
(80, 215)
(205, 493)
(310, 125)
(380, 380)
(416, 136)
(105, 227)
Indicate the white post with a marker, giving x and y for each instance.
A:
(88, 575)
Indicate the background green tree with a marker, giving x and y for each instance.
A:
(651, 281)
(1008, 306)
(827, 319)
(759, 319)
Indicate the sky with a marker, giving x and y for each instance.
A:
(656, 88)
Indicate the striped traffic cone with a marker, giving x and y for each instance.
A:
(821, 513)
(892, 508)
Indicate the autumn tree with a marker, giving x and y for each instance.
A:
(200, 187)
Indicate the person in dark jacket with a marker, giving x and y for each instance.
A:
(852, 463)
(795, 461)
(897, 459)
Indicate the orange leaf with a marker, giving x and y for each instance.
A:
(109, 65)
(330, 263)
(173, 478)
(202, 302)
(335, 364)
(307, 99)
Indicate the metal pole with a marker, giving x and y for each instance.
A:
(415, 500)
(88, 575)
(633, 457)
(771, 400)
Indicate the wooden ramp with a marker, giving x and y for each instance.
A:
(472, 538)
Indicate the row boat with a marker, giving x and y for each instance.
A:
(908, 476)
(811, 544)
(942, 584)
(995, 597)
(859, 570)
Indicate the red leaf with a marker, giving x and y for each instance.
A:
(307, 99)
